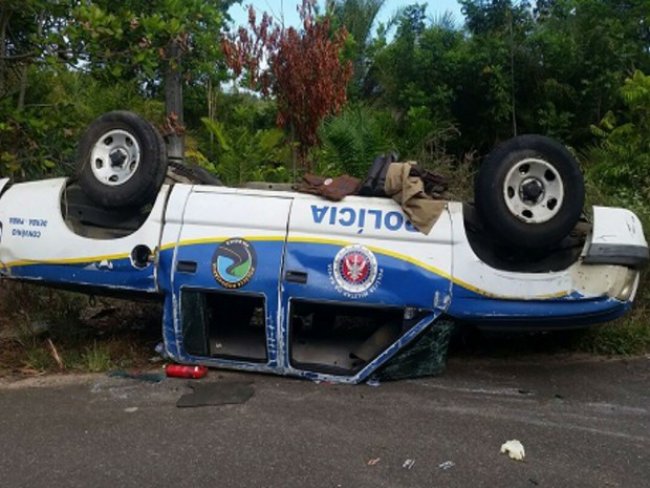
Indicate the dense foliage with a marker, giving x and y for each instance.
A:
(431, 88)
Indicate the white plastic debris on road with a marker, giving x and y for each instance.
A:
(408, 464)
(514, 449)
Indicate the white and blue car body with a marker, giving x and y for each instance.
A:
(290, 283)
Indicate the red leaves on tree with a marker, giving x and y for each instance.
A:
(305, 72)
(245, 51)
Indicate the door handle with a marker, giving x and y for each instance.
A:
(299, 277)
(186, 267)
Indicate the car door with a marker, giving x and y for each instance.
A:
(225, 268)
(363, 252)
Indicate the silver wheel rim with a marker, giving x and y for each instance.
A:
(533, 191)
(115, 157)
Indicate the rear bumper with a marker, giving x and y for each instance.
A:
(623, 254)
(617, 238)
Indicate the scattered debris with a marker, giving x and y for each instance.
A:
(408, 464)
(446, 465)
(131, 409)
(221, 393)
(160, 350)
(373, 382)
(533, 481)
(185, 371)
(514, 449)
(373, 461)
(55, 354)
(149, 377)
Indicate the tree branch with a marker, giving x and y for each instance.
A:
(17, 57)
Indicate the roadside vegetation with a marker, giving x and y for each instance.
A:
(436, 89)
(44, 330)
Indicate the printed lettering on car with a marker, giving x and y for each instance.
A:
(29, 231)
(362, 218)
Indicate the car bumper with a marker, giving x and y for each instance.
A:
(617, 238)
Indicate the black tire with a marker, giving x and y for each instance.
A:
(141, 158)
(508, 186)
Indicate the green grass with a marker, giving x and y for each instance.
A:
(627, 339)
(96, 358)
(38, 358)
(627, 336)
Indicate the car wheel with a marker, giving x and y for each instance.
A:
(530, 191)
(122, 160)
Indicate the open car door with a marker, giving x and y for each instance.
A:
(359, 285)
(224, 262)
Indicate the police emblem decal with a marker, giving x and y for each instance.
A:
(355, 272)
(234, 263)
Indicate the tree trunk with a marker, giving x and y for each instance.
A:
(212, 98)
(513, 93)
(24, 67)
(23, 86)
(294, 155)
(174, 103)
(4, 20)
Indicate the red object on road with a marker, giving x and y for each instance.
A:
(185, 371)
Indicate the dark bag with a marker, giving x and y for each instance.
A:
(373, 185)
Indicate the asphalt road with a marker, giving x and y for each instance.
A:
(583, 423)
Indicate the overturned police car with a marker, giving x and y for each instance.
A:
(290, 283)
